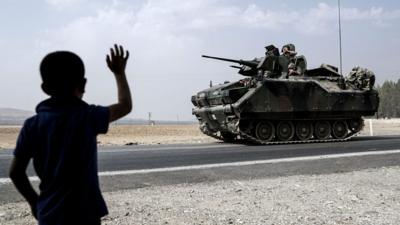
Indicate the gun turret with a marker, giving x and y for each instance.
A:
(248, 68)
(249, 63)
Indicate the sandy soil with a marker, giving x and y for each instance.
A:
(8, 136)
(129, 134)
(159, 134)
(382, 127)
(368, 197)
(172, 134)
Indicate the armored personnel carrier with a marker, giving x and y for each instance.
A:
(270, 106)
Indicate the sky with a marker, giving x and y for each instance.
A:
(166, 39)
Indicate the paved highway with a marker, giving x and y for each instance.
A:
(138, 166)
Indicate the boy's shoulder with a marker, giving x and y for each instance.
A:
(30, 122)
(67, 106)
(50, 110)
(79, 111)
(58, 104)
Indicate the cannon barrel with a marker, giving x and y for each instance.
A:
(252, 64)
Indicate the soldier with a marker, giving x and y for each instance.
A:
(269, 66)
(289, 50)
(361, 78)
(291, 64)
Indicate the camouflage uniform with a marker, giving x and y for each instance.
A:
(274, 65)
(361, 78)
(269, 66)
(291, 64)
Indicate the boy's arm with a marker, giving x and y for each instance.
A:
(116, 61)
(18, 176)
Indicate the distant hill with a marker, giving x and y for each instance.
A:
(10, 112)
(10, 116)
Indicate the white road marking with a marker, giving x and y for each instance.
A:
(8, 180)
(218, 165)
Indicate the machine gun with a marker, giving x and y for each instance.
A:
(248, 68)
(249, 63)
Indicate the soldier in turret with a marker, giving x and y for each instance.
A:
(291, 64)
(361, 78)
(269, 67)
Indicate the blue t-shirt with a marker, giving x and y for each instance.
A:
(61, 140)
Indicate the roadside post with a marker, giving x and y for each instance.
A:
(371, 131)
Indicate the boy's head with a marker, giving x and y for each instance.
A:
(63, 74)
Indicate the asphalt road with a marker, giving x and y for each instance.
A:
(119, 166)
(163, 156)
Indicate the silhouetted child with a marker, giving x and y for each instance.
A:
(61, 140)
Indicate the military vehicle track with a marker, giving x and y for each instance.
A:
(248, 137)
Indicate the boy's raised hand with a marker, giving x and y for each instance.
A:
(117, 59)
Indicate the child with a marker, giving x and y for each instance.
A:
(61, 140)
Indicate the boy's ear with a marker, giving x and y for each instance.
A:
(45, 88)
(82, 85)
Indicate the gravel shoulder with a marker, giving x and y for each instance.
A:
(368, 197)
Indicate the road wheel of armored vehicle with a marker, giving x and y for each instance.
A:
(322, 130)
(285, 131)
(304, 130)
(339, 129)
(265, 131)
(355, 125)
(227, 136)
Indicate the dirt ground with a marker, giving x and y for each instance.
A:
(173, 134)
(129, 134)
(158, 134)
(8, 136)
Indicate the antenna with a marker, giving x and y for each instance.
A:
(340, 40)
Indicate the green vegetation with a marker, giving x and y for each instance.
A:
(389, 94)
